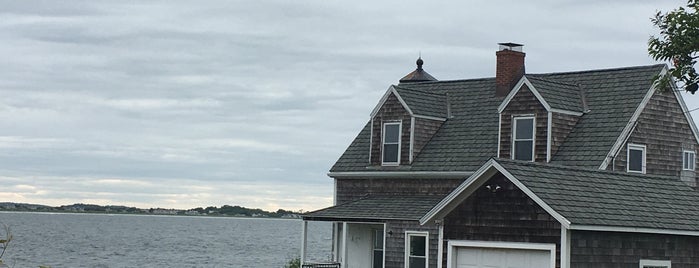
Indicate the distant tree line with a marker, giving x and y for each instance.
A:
(244, 212)
(225, 210)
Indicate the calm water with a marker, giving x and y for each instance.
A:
(95, 240)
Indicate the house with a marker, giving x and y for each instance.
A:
(573, 169)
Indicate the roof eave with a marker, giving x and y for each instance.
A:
(401, 174)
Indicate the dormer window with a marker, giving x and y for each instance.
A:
(391, 144)
(523, 138)
(636, 158)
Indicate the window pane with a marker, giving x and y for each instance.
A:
(525, 128)
(390, 153)
(688, 160)
(391, 133)
(523, 150)
(378, 239)
(378, 259)
(417, 262)
(417, 245)
(635, 160)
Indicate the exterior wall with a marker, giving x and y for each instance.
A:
(524, 103)
(424, 130)
(507, 215)
(352, 189)
(395, 242)
(664, 129)
(624, 250)
(561, 125)
(392, 110)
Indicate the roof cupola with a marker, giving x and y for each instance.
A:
(419, 75)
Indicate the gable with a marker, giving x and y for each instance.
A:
(583, 199)
(524, 103)
(663, 128)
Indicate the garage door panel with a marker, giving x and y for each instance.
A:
(474, 257)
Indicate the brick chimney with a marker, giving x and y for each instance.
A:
(509, 67)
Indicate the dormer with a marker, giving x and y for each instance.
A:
(536, 117)
(403, 121)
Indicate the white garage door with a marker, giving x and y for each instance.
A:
(473, 257)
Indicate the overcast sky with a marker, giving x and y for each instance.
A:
(180, 104)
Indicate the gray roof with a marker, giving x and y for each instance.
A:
(423, 102)
(373, 208)
(469, 138)
(607, 198)
(558, 95)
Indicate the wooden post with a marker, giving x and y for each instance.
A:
(565, 247)
(343, 260)
(304, 230)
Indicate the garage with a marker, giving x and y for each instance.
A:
(475, 254)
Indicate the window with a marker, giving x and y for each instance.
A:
(636, 158)
(416, 249)
(654, 264)
(391, 143)
(523, 139)
(688, 160)
(378, 249)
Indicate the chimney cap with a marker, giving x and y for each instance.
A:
(510, 46)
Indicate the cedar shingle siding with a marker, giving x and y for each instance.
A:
(507, 215)
(352, 189)
(662, 127)
(615, 250)
(524, 103)
(395, 242)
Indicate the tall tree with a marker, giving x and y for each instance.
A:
(678, 43)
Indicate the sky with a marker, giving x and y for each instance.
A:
(181, 104)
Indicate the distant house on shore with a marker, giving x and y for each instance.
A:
(592, 168)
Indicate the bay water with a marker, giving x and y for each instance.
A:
(104, 240)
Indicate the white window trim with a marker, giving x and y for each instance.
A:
(641, 147)
(383, 140)
(408, 234)
(654, 263)
(514, 134)
(692, 163)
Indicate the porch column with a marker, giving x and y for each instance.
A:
(343, 253)
(304, 231)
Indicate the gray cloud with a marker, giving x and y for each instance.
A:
(182, 104)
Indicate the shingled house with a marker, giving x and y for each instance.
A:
(575, 169)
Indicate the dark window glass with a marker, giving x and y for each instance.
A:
(523, 139)
(417, 262)
(391, 133)
(417, 245)
(378, 249)
(636, 160)
(391, 143)
(378, 258)
(525, 128)
(523, 150)
(390, 153)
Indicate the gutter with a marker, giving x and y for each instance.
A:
(402, 174)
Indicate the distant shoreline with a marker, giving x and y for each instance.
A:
(140, 215)
(223, 211)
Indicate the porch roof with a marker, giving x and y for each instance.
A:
(377, 208)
